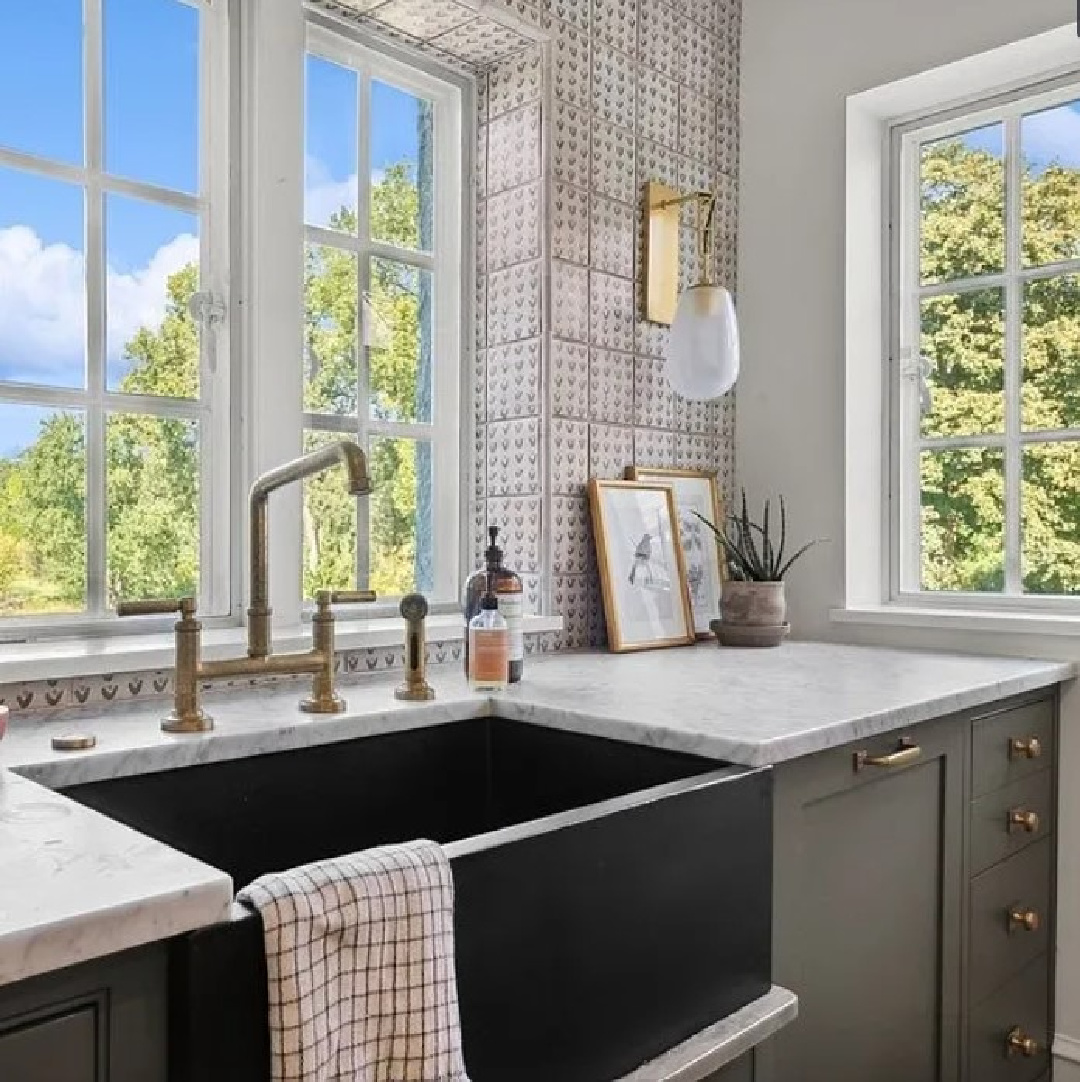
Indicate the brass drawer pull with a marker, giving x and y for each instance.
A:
(1025, 749)
(906, 753)
(1018, 1041)
(1018, 917)
(1022, 819)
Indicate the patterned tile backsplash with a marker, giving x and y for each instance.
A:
(580, 103)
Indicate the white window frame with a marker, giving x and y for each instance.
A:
(444, 262)
(905, 292)
(212, 410)
(869, 487)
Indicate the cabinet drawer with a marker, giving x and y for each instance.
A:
(1021, 1008)
(994, 836)
(1010, 917)
(1011, 745)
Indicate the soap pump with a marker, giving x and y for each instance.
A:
(497, 579)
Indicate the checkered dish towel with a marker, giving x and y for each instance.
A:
(360, 956)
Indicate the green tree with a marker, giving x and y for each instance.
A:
(963, 338)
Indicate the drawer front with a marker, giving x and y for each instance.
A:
(1020, 1008)
(1011, 745)
(994, 834)
(1010, 917)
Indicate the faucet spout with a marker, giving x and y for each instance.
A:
(342, 452)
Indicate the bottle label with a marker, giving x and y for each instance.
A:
(488, 661)
(512, 610)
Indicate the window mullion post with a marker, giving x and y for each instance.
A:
(909, 561)
(273, 102)
(1013, 359)
(95, 272)
(363, 287)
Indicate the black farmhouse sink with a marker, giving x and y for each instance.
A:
(611, 899)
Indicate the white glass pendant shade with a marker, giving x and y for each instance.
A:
(702, 359)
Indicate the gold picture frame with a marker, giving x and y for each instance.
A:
(642, 577)
(705, 568)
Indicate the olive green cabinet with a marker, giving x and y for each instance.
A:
(102, 1021)
(913, 905)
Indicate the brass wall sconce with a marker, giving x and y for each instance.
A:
(702, 357)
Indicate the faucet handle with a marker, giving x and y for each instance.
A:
(345, 597)
(158, 606)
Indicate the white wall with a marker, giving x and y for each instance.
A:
(800, 60)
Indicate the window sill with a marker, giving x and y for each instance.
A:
(1009, 623)
(58, 660)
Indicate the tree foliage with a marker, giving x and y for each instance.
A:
(963, 339)
(152, 463)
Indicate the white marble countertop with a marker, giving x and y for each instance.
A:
(75, 885)
(723, 1043)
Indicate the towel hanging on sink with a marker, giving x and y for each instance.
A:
(360, 957)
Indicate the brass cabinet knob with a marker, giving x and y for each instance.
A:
(1025, 749)
(1022, 819)
(1017, 1041)
(1019, 917)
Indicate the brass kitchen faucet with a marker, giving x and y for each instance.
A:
(187, 715)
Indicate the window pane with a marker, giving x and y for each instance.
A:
(41, 78)
(1050, 392)
(1050, 145)
(401, 177)
(153, 268)
(401, 516)
(42, 281)
(330, 362)
(42, 511)
(151, 74)
(963, 515)
(1051, 518)
(152, 491)
(963, 341)
(330, 157)
(963, 205)
(329, 526)
(398, 336)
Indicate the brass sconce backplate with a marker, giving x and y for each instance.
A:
(661, 253)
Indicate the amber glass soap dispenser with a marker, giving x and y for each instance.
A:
(505, 585)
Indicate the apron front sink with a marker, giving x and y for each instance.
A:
(611, 899)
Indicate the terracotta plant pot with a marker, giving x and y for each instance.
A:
(753, 614)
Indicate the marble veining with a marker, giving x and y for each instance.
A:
(76, 885)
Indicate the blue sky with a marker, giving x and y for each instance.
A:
(1047, 137)
(150, 135)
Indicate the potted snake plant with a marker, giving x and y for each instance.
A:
(754, 605)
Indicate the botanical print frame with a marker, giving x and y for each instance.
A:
(642, 574)
(695, 490)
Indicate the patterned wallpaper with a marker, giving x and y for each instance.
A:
(580, 103)
(569, 381)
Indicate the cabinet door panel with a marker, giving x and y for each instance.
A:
(868, 886)
(59, 1049)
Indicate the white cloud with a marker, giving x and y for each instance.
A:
(323, 195)
(1053, 136)
(43, 308)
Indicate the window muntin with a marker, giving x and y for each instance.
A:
(382, 318)
(114, 407)
(986, 451)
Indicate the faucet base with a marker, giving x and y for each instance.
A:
(198, 721)
(323, 704)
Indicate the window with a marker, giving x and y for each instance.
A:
(114, 403)
(382, 318)
(135, 221)
(985, 328)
